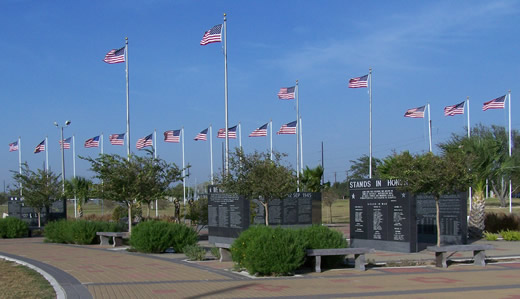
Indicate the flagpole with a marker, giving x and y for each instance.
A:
(429, 128)
(102, 185)
(102, 143)
(271, 137)
(155, 157)
(370, 124)
(46, 154)
(297, 138)
(183, 170)
(20, 161)
(239, 135)
(226, 96)
(73, 156)
(127, 103)
(469, 135)
(301, 144)
(211, 153)
(510, 150)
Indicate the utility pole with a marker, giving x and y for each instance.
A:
(322, 165)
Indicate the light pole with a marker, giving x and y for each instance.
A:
(62, 154)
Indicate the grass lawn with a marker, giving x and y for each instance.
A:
(34, 285)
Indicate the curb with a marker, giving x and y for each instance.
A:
(60, 293)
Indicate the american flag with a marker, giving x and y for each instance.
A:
(260, 132)
(117, 139)
(144, 142)
(454, 109)
(232, 133)
(286, 93)
(498, 103)
(92, 142)
(13, 147)
(40, 147)
(214, 35)
(65, 144)
(415, 112)
(115, 56)
(202, 135)
(289, 128)
(172, 136)
(358, 82)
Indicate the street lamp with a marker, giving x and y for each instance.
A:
(62, 154)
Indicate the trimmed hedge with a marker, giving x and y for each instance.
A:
(81, 232)
(275, 251)
(322, 237)
(157, 236)
(13, 228)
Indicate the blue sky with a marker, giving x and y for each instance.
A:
(439, 52)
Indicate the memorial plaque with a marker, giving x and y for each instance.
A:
(298, 209)
(17, 208)
(381, 216)
(385, 218)
(228, 216)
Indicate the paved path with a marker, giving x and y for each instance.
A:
(101, 272)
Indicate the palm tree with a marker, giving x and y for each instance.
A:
(311, 179)
(80, 188)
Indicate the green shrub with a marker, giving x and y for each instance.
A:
(57, 232)
(496, 222)
(77, 231)
(322, 237)
(510, 235)
(490, 236)
(13, 228)
(157, 236)
(215, 251)
(119, 212)
(269, 251)
(195, 252)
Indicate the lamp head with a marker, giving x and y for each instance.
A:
(67, 122)
(56, 124)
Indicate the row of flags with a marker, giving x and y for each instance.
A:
(498, 103)
(169, 136)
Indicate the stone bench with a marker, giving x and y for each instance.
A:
(117, 238)
(479, 253)
(359, 255)
(225, 254)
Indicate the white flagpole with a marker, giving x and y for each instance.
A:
(226, 97)
(46, 154)
(73, 156)
(127, 102)
(102, 143)
(155, 156)
(297, 138)
(301, 145)
(239, 135)
(370, 124)
(20, 161)
(74, 174)
(510, 150)
(211, 153)
(429, 128)
(183, 169)
(271, 137)
(469, 135)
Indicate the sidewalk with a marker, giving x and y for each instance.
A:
(102, 272)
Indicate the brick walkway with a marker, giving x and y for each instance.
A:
(101, 272)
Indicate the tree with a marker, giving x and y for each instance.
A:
(359, 168)
(256, 176)
(40, 189)
(311, 179)
(329, 196)
(134, 179)
(428, 174)
(81, 189)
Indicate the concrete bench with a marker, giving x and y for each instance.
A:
(225, 254)
(479, 253)
(359, 255)
(117, 238)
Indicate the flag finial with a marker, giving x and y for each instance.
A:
(224, 14)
